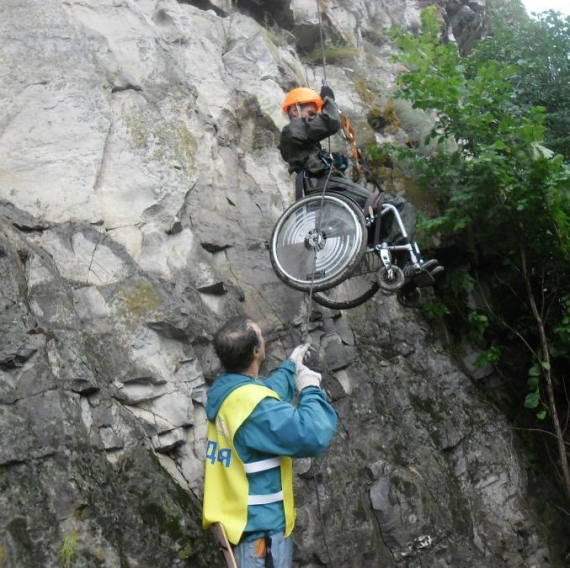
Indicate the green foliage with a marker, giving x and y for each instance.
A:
(538, 49)
(478, 323)
(505, 197)
(533, 399)
(434, 309)
(561, 332)
(68, 550)
(451, 300)
(187, 551)
(491, 356)
(379, 155)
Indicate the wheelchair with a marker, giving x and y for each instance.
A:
(327, 245)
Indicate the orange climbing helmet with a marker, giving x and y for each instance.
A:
(301, 96)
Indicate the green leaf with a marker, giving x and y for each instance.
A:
(534, 371)
(532, 399)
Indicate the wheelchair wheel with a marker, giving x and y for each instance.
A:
(317, 242)
(390, 282)
(359, 287)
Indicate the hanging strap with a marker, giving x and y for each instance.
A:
(378, 204)
(299, 185)
(350, 135)
(268, 555)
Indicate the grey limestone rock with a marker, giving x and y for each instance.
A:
(139, 185)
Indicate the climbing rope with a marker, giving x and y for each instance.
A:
(309, 297)
(322, 44)
(305, 328)
(350, 135)
(305, 333)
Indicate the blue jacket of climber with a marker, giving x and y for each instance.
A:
(253, 432)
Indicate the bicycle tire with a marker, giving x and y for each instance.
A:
(358, 288)
(317, 242)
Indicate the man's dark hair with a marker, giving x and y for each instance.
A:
(234, 344)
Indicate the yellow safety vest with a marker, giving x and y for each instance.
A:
(226, 487)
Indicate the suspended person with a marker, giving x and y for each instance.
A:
(253, 432)
(314, 118)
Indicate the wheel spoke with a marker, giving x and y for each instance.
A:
(317, 242)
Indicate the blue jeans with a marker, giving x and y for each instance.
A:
(248, 553)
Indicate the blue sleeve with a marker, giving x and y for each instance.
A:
(278, 428)
(282, 380)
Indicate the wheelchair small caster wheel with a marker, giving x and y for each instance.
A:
(390, 279)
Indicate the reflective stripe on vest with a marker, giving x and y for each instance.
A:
(226, 487)
(265, 499)
(263, 465)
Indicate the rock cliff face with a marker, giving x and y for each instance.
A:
(139, 184)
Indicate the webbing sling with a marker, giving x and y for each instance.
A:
(350, 135)
(299, 185)
(375, 201)
(268, 555)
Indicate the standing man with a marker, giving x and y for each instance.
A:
(253, 432)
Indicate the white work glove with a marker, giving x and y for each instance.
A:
(298, 355)
(307, 378)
